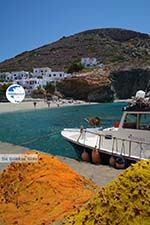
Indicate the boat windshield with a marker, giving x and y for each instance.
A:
(137, 121)
(130, 121)
(144, 122)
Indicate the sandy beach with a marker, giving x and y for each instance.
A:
(28, 105)
(122, 100)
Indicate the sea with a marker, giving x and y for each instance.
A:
(40, 129)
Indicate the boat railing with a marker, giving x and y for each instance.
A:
(115, 148)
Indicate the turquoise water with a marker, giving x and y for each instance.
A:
(30, 128)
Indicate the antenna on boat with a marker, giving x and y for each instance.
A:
(147, 90)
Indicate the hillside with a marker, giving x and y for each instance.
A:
(125, 54)
(110, 45)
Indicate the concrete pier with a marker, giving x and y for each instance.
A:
(99, 174)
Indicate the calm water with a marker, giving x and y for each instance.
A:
(22, 127)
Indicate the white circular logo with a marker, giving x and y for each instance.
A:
(15, 93)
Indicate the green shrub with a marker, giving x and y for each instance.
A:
(75, 67)
(50, 88)
(3, 89)
(38, 93)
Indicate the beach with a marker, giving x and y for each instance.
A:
(40, 104)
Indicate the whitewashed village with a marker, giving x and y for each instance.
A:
(41, 76)
(30, 81)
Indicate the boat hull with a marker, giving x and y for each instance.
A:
(128, 140)
(105, 157)
(84, 142)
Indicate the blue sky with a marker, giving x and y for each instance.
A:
(28, 24)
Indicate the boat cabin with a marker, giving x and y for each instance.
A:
(136, 120)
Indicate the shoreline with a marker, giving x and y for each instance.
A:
(122, 100)
(28, 105)
(6, 107)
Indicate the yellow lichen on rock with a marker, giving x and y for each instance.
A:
(124, 201)
(40, 193)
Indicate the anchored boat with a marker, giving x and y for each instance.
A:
(126, 142)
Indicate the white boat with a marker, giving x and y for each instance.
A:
(130, 139)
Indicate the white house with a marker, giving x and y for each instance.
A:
(40, 72)
(4, 75)
(55, 76)
(19, 75)
(12, 76)
(89, 62)
(32, 83)
(47, 73)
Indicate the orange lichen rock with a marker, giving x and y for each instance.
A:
(124, 201)
(42, 192)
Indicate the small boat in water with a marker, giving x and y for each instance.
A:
(126, 142)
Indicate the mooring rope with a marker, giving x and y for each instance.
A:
(36, 139)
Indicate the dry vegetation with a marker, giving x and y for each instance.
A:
(109, 46)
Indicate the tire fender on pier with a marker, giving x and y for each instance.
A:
(120, 163)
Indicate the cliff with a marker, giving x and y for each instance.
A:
(127, 82)
(90, 86)
(106, 85)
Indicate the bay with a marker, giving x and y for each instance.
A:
(40, 129)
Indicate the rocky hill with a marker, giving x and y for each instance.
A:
(125, 54)
(110, 45)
